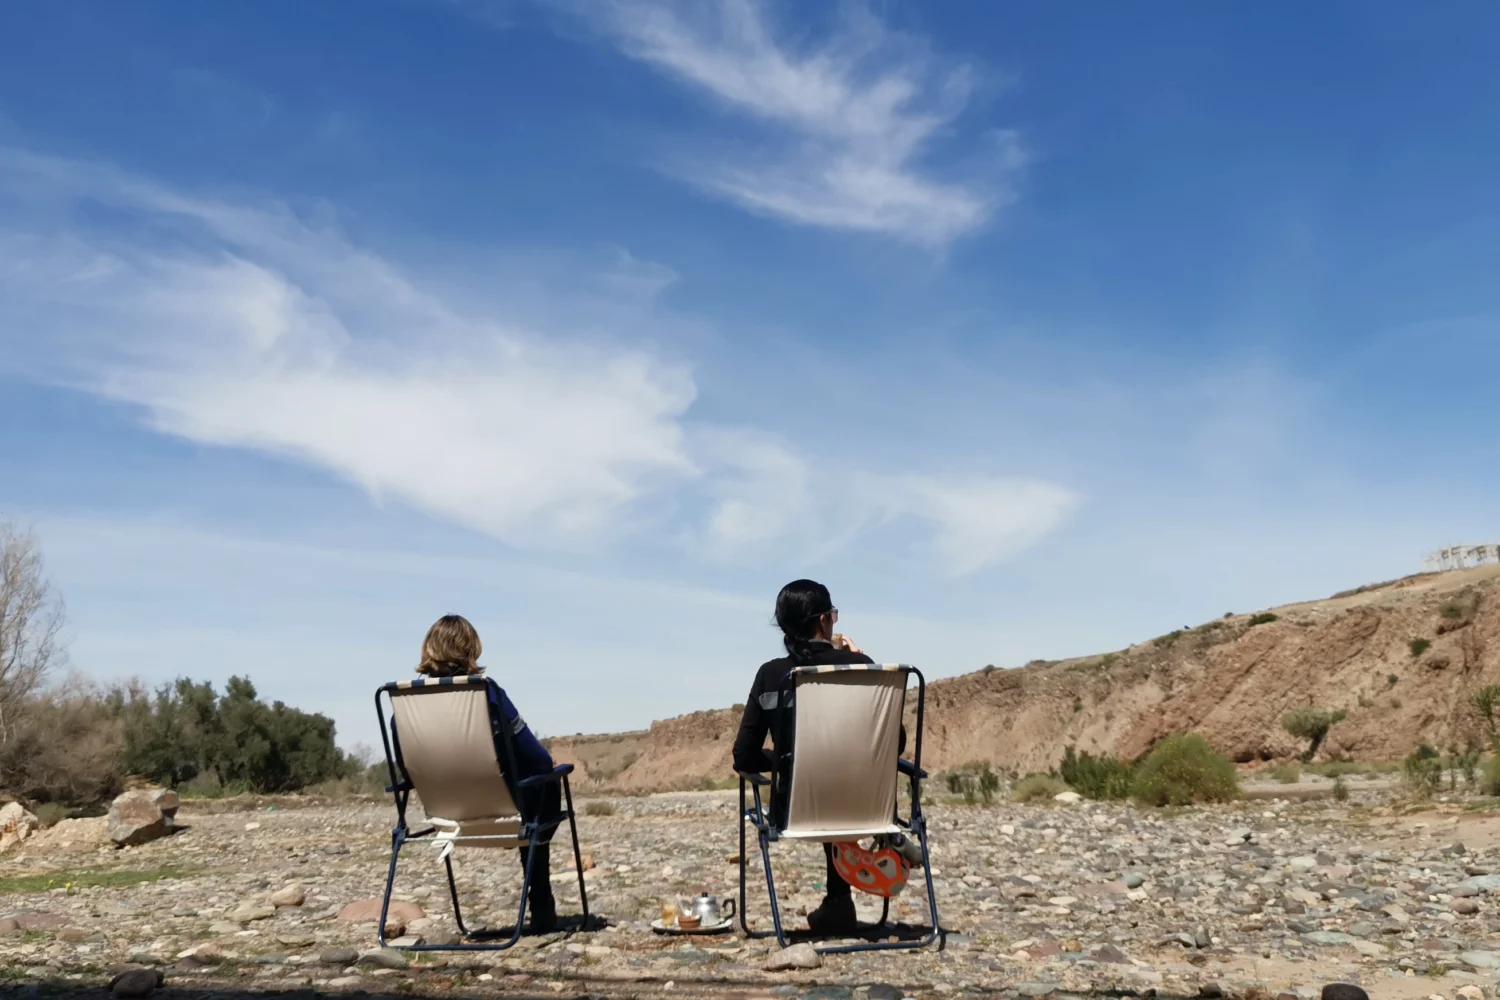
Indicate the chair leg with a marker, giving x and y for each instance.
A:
(744, 861)
(932, 905)
(765, 853)
(458, 914)
(583, 892)
(398, 839)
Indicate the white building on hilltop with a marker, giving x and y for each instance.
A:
(1461, 557)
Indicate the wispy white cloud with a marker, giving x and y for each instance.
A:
(849, 121)
(244, 324)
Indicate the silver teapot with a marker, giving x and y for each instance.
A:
(709, 910)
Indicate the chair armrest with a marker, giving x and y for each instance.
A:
(556, 774)
(906, 767)
(753, 778)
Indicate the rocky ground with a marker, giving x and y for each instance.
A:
(1255, 899)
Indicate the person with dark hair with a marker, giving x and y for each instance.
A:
(806, 616)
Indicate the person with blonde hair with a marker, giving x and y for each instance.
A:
(452, 649)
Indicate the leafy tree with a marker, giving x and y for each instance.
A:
(1486, 704)
(1311, 724)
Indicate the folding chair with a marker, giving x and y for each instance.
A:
(846, 725)
(446, 740)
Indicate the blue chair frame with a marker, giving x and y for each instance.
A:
(531, 829)
(754, 813)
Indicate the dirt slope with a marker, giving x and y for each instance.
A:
(1228, 679)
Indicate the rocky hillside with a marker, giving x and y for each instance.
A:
(1402, 658)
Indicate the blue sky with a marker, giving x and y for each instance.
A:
(1031, 330)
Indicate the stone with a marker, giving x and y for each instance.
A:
(344, 982)
(1344, 991)
(338, 956)
(880, 991)
(1243, 835)
(73, 935)
(1109, 953)
(1480, 959)
(296, 939)
(1133, 881)
(9, 926)
(292, 895)
(133, 984)
(142, 815)
(383, 958)
(1469, 992)
(16, 825)
(1304, 864)
(251, 912)
(36, 920)
(1465, 907)
(829, 993)
(1068, 798)
(368, 911)
(1330, 939)
(1034, 990)
(798, 956)
(1479, 885)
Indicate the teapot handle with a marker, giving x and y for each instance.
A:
(727, 910)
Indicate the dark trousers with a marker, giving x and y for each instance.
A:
(541, 803)
(836, 887)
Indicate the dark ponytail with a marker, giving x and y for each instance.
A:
(798, 607)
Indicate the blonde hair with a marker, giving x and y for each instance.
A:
(452, 648)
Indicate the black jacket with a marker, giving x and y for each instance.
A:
(760, 708)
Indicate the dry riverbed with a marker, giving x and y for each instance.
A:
(1259, 898)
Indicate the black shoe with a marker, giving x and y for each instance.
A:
(834, 917)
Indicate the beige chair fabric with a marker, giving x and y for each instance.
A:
(848, 730)
(449, 753)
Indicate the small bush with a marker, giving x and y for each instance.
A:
(1451, 610)
(1419, 646)
(1422, 772)
(1038, 788)
(1077, 704)
(1287, 774)
(976, 783)
(1489, 782)
(1183, 770)
(598, 808)
(1166, 640)
(1101, 778)
(49, 814)
(1340, 790)
(1264, 618)
(1467, 763)
(1391, 680)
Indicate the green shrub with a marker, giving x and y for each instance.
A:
(1038, 788)
(1422, 772)
(1264, 618)
(1486, 705)
(1167, 640)
(975, 782)
(1340, 790)
(1183, 770)
(1489, 776)
(1101, 778)
(1391, 680)
(1451, 610)
(599, 809)
(1287, 774)
(1419, 646)
(49, 814)
(1311, 724)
